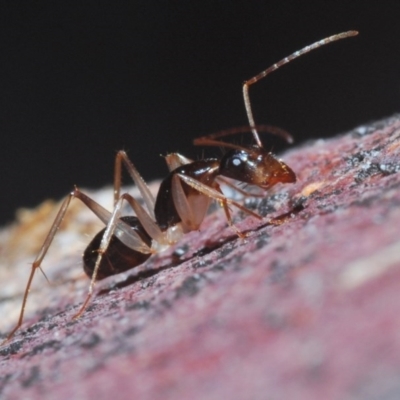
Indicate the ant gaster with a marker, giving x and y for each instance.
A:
(182, 200)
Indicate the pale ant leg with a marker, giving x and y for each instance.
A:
(279, 64)
(228, 216)
(147, 219)
(122, 230)
(237, 189)
(38, 261)
(148, 198)
(175, 160)
(210, 140)
(189, 217)
(217, 195)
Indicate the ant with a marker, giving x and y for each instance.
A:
(182, 201)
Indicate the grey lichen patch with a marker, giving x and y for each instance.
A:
(138, 305)
(31, 377)
(272, 203)
(365, 130)
(90, 341)
(190, 286)
(368, 171)
(12, 348)
(54, 345)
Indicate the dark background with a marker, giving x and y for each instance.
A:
(80, 80)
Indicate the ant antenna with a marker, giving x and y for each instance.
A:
(280, 63)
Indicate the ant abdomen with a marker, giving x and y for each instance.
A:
(255, 166)
(118, 257)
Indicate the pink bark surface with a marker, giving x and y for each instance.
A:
(308, 309)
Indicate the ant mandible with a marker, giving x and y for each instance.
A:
(182, 201)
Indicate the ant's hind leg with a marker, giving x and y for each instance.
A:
(38, 261)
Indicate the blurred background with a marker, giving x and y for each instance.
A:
(81, 80)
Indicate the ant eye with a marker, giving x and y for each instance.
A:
(236, 161)
(236, 165)
(233, 160)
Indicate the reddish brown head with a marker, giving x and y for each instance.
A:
(255, 166)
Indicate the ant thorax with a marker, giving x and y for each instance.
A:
(171, 208)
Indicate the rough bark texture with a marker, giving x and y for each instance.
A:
(308, 309)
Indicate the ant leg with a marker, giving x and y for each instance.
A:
(38, 261)
(210, 140)
(122, 230)
(230, 222)
(216, 194)
(175, 160)
(148, 223)
(148, 198)
(190, 218)
(237, 189)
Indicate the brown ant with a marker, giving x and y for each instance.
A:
(182, 201)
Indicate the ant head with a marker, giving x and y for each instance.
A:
(255, 166)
